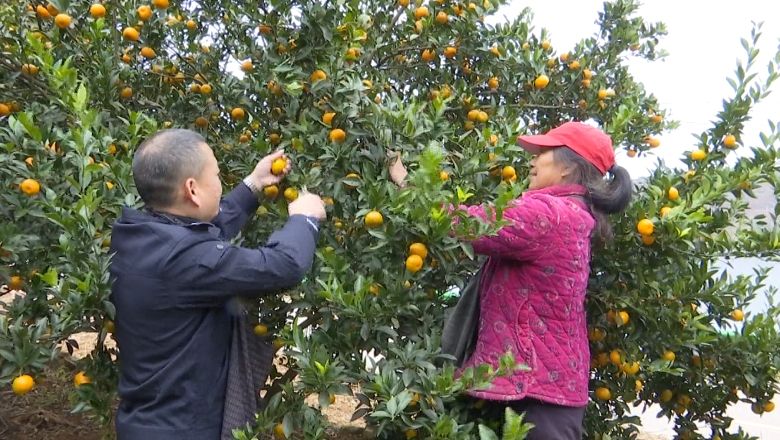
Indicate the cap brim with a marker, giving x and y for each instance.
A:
(535, 143)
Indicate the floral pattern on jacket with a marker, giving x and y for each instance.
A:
(532, 301)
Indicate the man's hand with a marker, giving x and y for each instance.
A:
(262, 175)
(308, 204)
(397, 170)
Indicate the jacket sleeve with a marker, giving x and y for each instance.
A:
(526, 237)
(234, 210)
(210, 272)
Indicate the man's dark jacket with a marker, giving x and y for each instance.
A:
(172, 279)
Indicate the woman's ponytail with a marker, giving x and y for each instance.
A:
(606, 194)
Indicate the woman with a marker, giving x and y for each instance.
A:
(533, 292)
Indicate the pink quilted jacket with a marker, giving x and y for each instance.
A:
(532, 301)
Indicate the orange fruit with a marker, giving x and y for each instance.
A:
(730, 141)
(160, 4)
(648, 240)
(545, 44)
(278, 166)
(327, 118)
(603, 94)
(201, 122)
(737, 315)
(428, 55)
(126, 92)
(666, 396)
(80, 379)
(30, 69)
(265, 29)
(375, 289)
(30, 187)
(493, 83)
(29, 160)
(410, 434)
(615, 357)
(271, 191)
(624, 318)
(769, 407)
(638, 385)
(508, 173)
(374, 219)
(473, 115)
(482, 116)
(645, 227)
(290, 194)
(247, 66)
(656, 118)
(192, 25)
(148, 53)
(237, 113)
(205, 89)
(665, 211)
(261, 330)
(318, 75)
(279, 431)
(673, 193)
(22, 384)
(698, 155)
(597, 334)
(352, 54)
(541, 81)
(669, 356)
(130, 34)
(62, 20)
(403, 3)
(493, 139)
(414, 263)
(444, 176)
(5, 110)
(585, 83)
(442, 18)
(15, 283)
(632, 368)
(450, 52)
(144, 12)
(574, 65)
(421, 12)
(652, 141)
(418, 249)
(603, 393)
(587, 74)
(337, 135)
(42, 12)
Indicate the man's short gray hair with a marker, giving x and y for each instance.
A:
(163, 161)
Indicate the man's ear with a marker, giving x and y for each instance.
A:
(191, 192)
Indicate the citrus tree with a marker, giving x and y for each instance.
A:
(340, 85)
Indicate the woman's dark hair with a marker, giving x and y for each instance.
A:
(605, 194)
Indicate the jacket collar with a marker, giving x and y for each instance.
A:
(130, 215)
(561, 190)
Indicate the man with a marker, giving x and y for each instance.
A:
(173, 273)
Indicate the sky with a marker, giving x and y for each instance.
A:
(703, 44)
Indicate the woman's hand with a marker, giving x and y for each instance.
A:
(397, 169)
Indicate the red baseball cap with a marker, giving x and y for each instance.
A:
(591, 143)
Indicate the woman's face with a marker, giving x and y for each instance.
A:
(545, 171)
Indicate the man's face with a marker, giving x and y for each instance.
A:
(209, 186)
